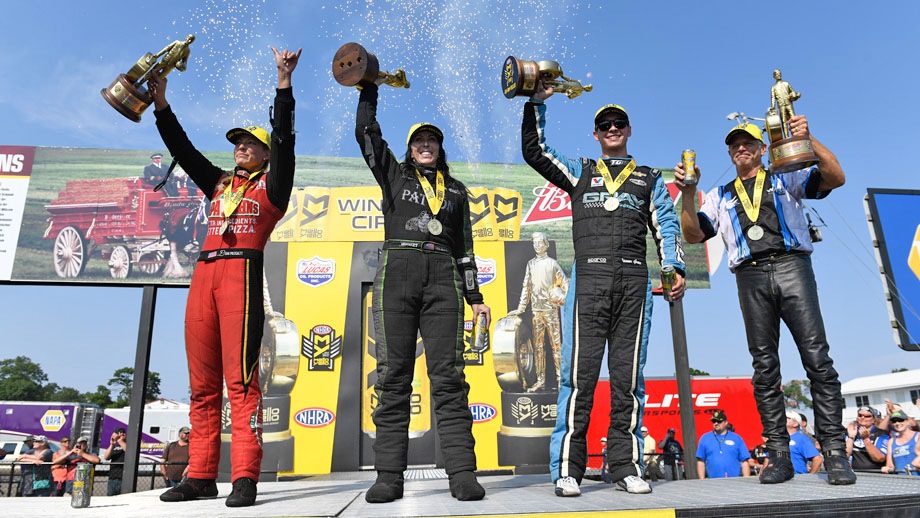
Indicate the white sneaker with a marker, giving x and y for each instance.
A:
(567, 486)
(630, 484)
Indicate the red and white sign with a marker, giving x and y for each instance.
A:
(662, 409)
(552, 204)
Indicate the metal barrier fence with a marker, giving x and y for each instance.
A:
(148, 477)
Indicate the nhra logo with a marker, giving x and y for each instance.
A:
(482, 412)
(315, 271)
(485, 270)
(322, 347)
(314, 417)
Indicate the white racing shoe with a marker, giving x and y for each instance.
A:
(632, 484)
(567, 486)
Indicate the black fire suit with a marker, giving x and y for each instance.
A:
(611, 303)
(419, 287)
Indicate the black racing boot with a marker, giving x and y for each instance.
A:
(243, 494)
(465, 487)
(388, 487)
(779, 469)
(839, 472)
(191, 489)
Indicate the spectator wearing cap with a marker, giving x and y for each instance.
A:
(25, 472)
(866, 443)
(902, 446)
(38, 462)
(115, 455)
(652, 470)
(78, 454)
(671, 456)
(722, 453)
(801, 448)
(175, 459)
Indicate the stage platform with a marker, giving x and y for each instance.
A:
(427, 494)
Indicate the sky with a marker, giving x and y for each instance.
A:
(678, 68)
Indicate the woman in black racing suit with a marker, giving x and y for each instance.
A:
(426, 269)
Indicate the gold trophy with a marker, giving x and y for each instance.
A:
(787, 152)
(520, 77)
(128, 94)
(353, 65)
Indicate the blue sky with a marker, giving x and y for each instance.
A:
(677, 68)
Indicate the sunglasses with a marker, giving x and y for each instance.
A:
(717, 420)
(864, 415)
(617, 123)
(896, 421)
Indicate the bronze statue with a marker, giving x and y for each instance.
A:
(781, 97)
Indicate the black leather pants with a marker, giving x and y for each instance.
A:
(784, 287)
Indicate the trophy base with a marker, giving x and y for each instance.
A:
(126, 99)
(791, 154)
(516, 450)
(519, 77)
(353, 64)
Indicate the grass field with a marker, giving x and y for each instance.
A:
(53, 167)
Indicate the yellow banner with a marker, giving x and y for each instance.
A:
(506, 205)
(481, 215)
(315, 302)
(355, 214)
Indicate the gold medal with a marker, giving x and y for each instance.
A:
(435, 227)
(612, 204)
(755, 233)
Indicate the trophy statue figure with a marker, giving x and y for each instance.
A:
(787, 153)
(128, 94)
(354, 65)
(520, 76)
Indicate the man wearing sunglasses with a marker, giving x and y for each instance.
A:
(866, 443)
(615, 204)
(761, 219)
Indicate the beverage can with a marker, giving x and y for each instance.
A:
(688, 157)
(668, 278)
(482, 333)
(82, 485)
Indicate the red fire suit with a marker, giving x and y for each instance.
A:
(224, 314)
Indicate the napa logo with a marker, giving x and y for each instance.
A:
(482, 412)
(316, 271)
(485, 270)
(314, 417)
(53, 420)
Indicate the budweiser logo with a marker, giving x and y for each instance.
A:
(552, 204)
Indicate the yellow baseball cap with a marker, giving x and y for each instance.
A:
(425, 126)
(609, 107)
(745, 127)
(254, 131)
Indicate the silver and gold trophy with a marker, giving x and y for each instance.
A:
(520, 78)
(787, 152)
(128, 93)
(353, 65)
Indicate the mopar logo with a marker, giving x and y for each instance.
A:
(314, 417)
(482, 412)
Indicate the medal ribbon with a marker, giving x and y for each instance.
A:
(232, 198)
(609, 183)
(435, 199)
(751, 209)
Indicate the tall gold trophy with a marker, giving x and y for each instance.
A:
(353, 65)
(787, 152)
(520, 77)
(128, 94)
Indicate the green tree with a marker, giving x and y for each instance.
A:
(102, 397)
(697, 372)
(21, 379)
(797, 394)
(54, 392)
(122, 383)
(902, 369)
